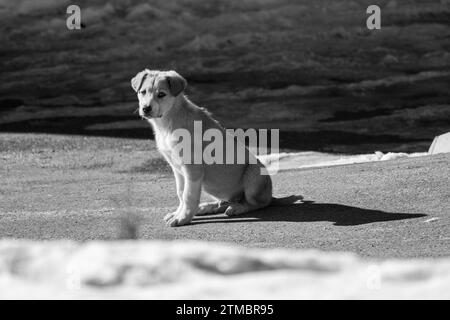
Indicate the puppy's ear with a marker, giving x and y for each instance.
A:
(137, 81)
(176, 83)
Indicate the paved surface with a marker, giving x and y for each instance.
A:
(77, 188)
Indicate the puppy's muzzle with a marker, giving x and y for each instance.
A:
(147, 110)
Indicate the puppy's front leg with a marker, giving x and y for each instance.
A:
(193, 178)
(179, 180)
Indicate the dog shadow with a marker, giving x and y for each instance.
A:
(309, 211)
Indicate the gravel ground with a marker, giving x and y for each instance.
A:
(62, 187)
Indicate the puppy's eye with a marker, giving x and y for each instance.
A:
(142, 92)
(161, 94)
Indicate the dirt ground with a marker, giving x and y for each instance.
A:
(74, 187)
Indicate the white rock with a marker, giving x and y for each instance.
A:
(204, 270)
(441, 144)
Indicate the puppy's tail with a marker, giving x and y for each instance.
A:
(285, 201)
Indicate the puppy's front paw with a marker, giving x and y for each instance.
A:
(170, 215)
(178, 220)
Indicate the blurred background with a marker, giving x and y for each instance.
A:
(310, 68)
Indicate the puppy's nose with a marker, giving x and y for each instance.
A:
(147, 109)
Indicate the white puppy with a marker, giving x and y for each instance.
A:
(236, 188)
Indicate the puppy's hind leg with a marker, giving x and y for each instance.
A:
(257, 192)
(237, 208)
(213, 207)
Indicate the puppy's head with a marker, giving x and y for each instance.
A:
(157, 91)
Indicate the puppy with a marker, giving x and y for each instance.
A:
(235, 188)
